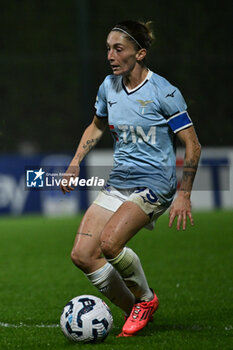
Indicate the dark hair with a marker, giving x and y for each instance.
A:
(139, 31)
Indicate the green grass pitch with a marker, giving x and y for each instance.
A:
(191, 272)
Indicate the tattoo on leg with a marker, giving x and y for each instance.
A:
(85, 234)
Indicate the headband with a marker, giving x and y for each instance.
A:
(124, 31)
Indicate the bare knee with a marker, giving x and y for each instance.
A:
(77, 259)
(109, 246)
(82, 260)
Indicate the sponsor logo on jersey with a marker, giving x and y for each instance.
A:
(171, 94)
(131, 133)
(111, 103)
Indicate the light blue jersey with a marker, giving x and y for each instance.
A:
(143, 122)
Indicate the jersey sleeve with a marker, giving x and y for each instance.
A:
(101, 102)
(174, 108)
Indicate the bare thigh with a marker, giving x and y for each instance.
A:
(121, 227)
(86, 252)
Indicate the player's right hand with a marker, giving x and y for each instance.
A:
(71, 173)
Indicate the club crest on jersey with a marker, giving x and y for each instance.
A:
(143, 105)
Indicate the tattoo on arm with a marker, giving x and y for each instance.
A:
(90, 144)
(189, 172)
(77, 156)
(191, 164)
(188, 176)
(192, 155)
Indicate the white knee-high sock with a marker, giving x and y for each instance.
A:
(129, 267)
(108, 281)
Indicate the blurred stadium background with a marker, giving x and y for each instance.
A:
(52, 60)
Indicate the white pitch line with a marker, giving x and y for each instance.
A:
(21, 324)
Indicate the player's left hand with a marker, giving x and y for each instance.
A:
(181, 208)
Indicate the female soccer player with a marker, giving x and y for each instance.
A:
(143, 112)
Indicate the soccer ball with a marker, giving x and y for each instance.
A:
(86, 318)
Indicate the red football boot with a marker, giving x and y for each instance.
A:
(140, 315)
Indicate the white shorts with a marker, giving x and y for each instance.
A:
(111, 198)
